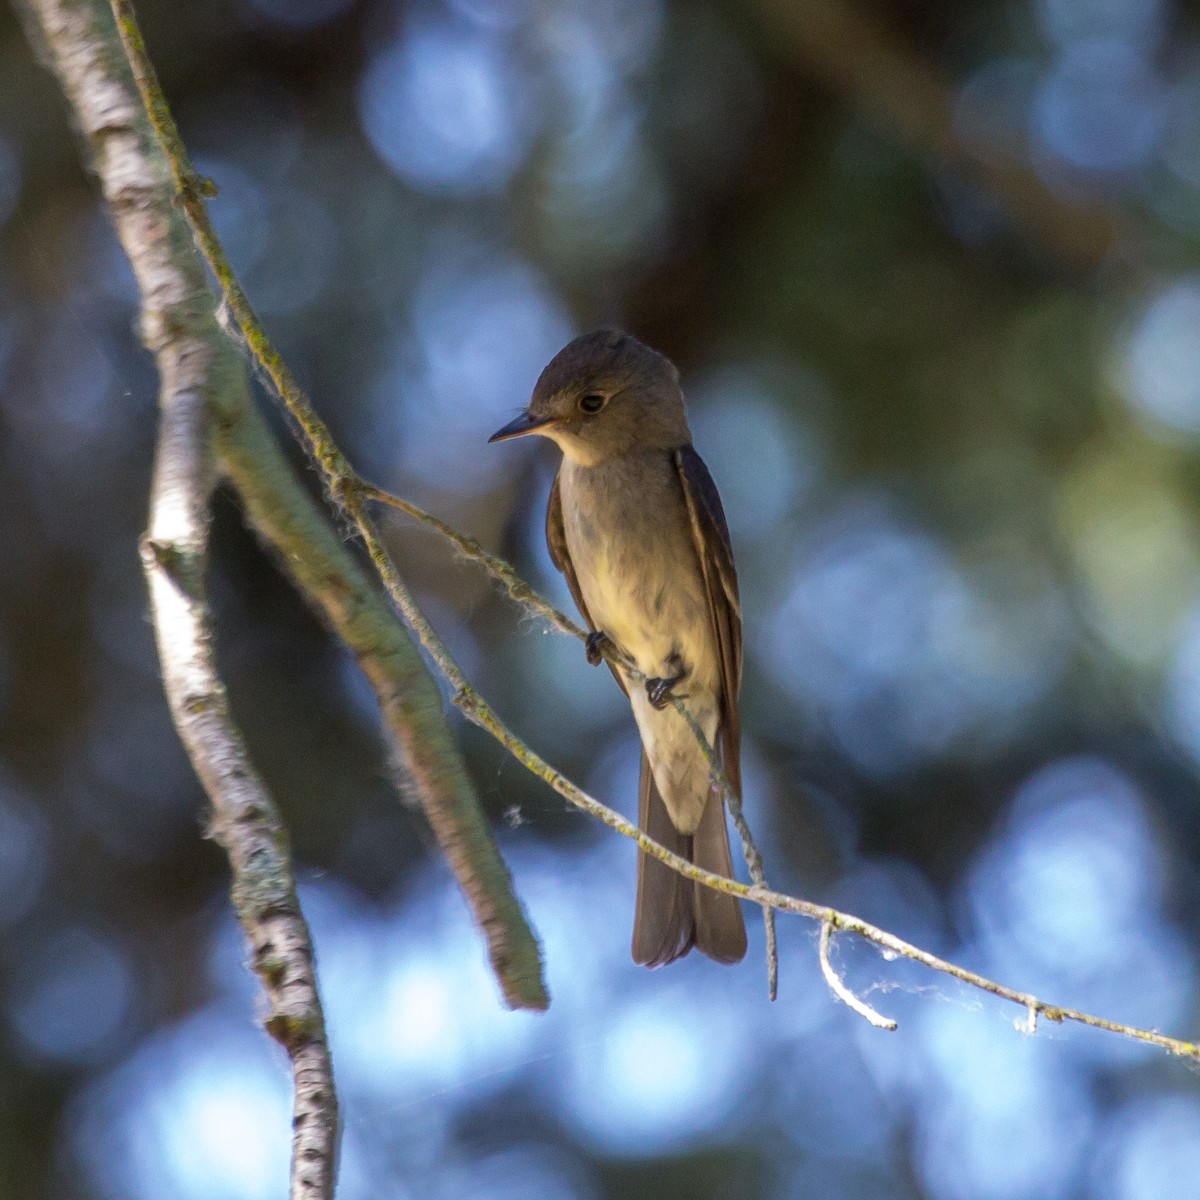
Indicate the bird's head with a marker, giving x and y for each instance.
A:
(603, 395)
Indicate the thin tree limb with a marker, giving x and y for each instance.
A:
(831, 919)
(406, 691)
(333, 579)
(196, 363)
(481, 713)
(290, 520)
(351, 493)
(245, 820)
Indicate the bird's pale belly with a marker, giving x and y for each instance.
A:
(636, 564)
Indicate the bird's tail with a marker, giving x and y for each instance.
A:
(674, 914)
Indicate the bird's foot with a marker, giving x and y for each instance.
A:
(661, 691)
(594, 646)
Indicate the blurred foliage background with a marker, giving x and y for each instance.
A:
(930, 273)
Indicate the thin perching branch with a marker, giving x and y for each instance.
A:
(831, 920)
(523, 594)
(195, 363)
(349, 491)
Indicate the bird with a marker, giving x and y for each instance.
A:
(635, 524)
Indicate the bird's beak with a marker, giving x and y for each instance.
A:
(527, 422)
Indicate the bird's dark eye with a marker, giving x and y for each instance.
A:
(591, 403)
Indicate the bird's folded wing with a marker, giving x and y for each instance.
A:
(710, 533)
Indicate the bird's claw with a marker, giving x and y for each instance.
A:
(660, 691)
(594, 646)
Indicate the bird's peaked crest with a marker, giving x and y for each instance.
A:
(603, 354)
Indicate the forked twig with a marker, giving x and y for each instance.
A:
(839, 988)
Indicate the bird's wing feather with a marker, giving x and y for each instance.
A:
(710, 534)
(560, 555)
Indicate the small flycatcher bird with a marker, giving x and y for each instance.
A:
(636, 526)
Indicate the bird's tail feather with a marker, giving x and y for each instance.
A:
(720, 929)
(664, 926)
(674, 914)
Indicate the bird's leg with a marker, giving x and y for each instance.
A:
(594, 646)
(660, 691)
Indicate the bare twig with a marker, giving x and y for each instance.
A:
(479, 711)
(839, 988)
(196, 363)
(750, 851)
(349, 491)
(525, 595)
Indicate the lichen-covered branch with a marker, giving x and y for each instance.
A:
(831, 920)
(289, 519)
(245, 820)
(196, 364)
(319, 563)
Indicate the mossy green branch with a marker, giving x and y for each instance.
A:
(192, 191)
(309, 548)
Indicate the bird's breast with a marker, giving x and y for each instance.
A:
(630, 541)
